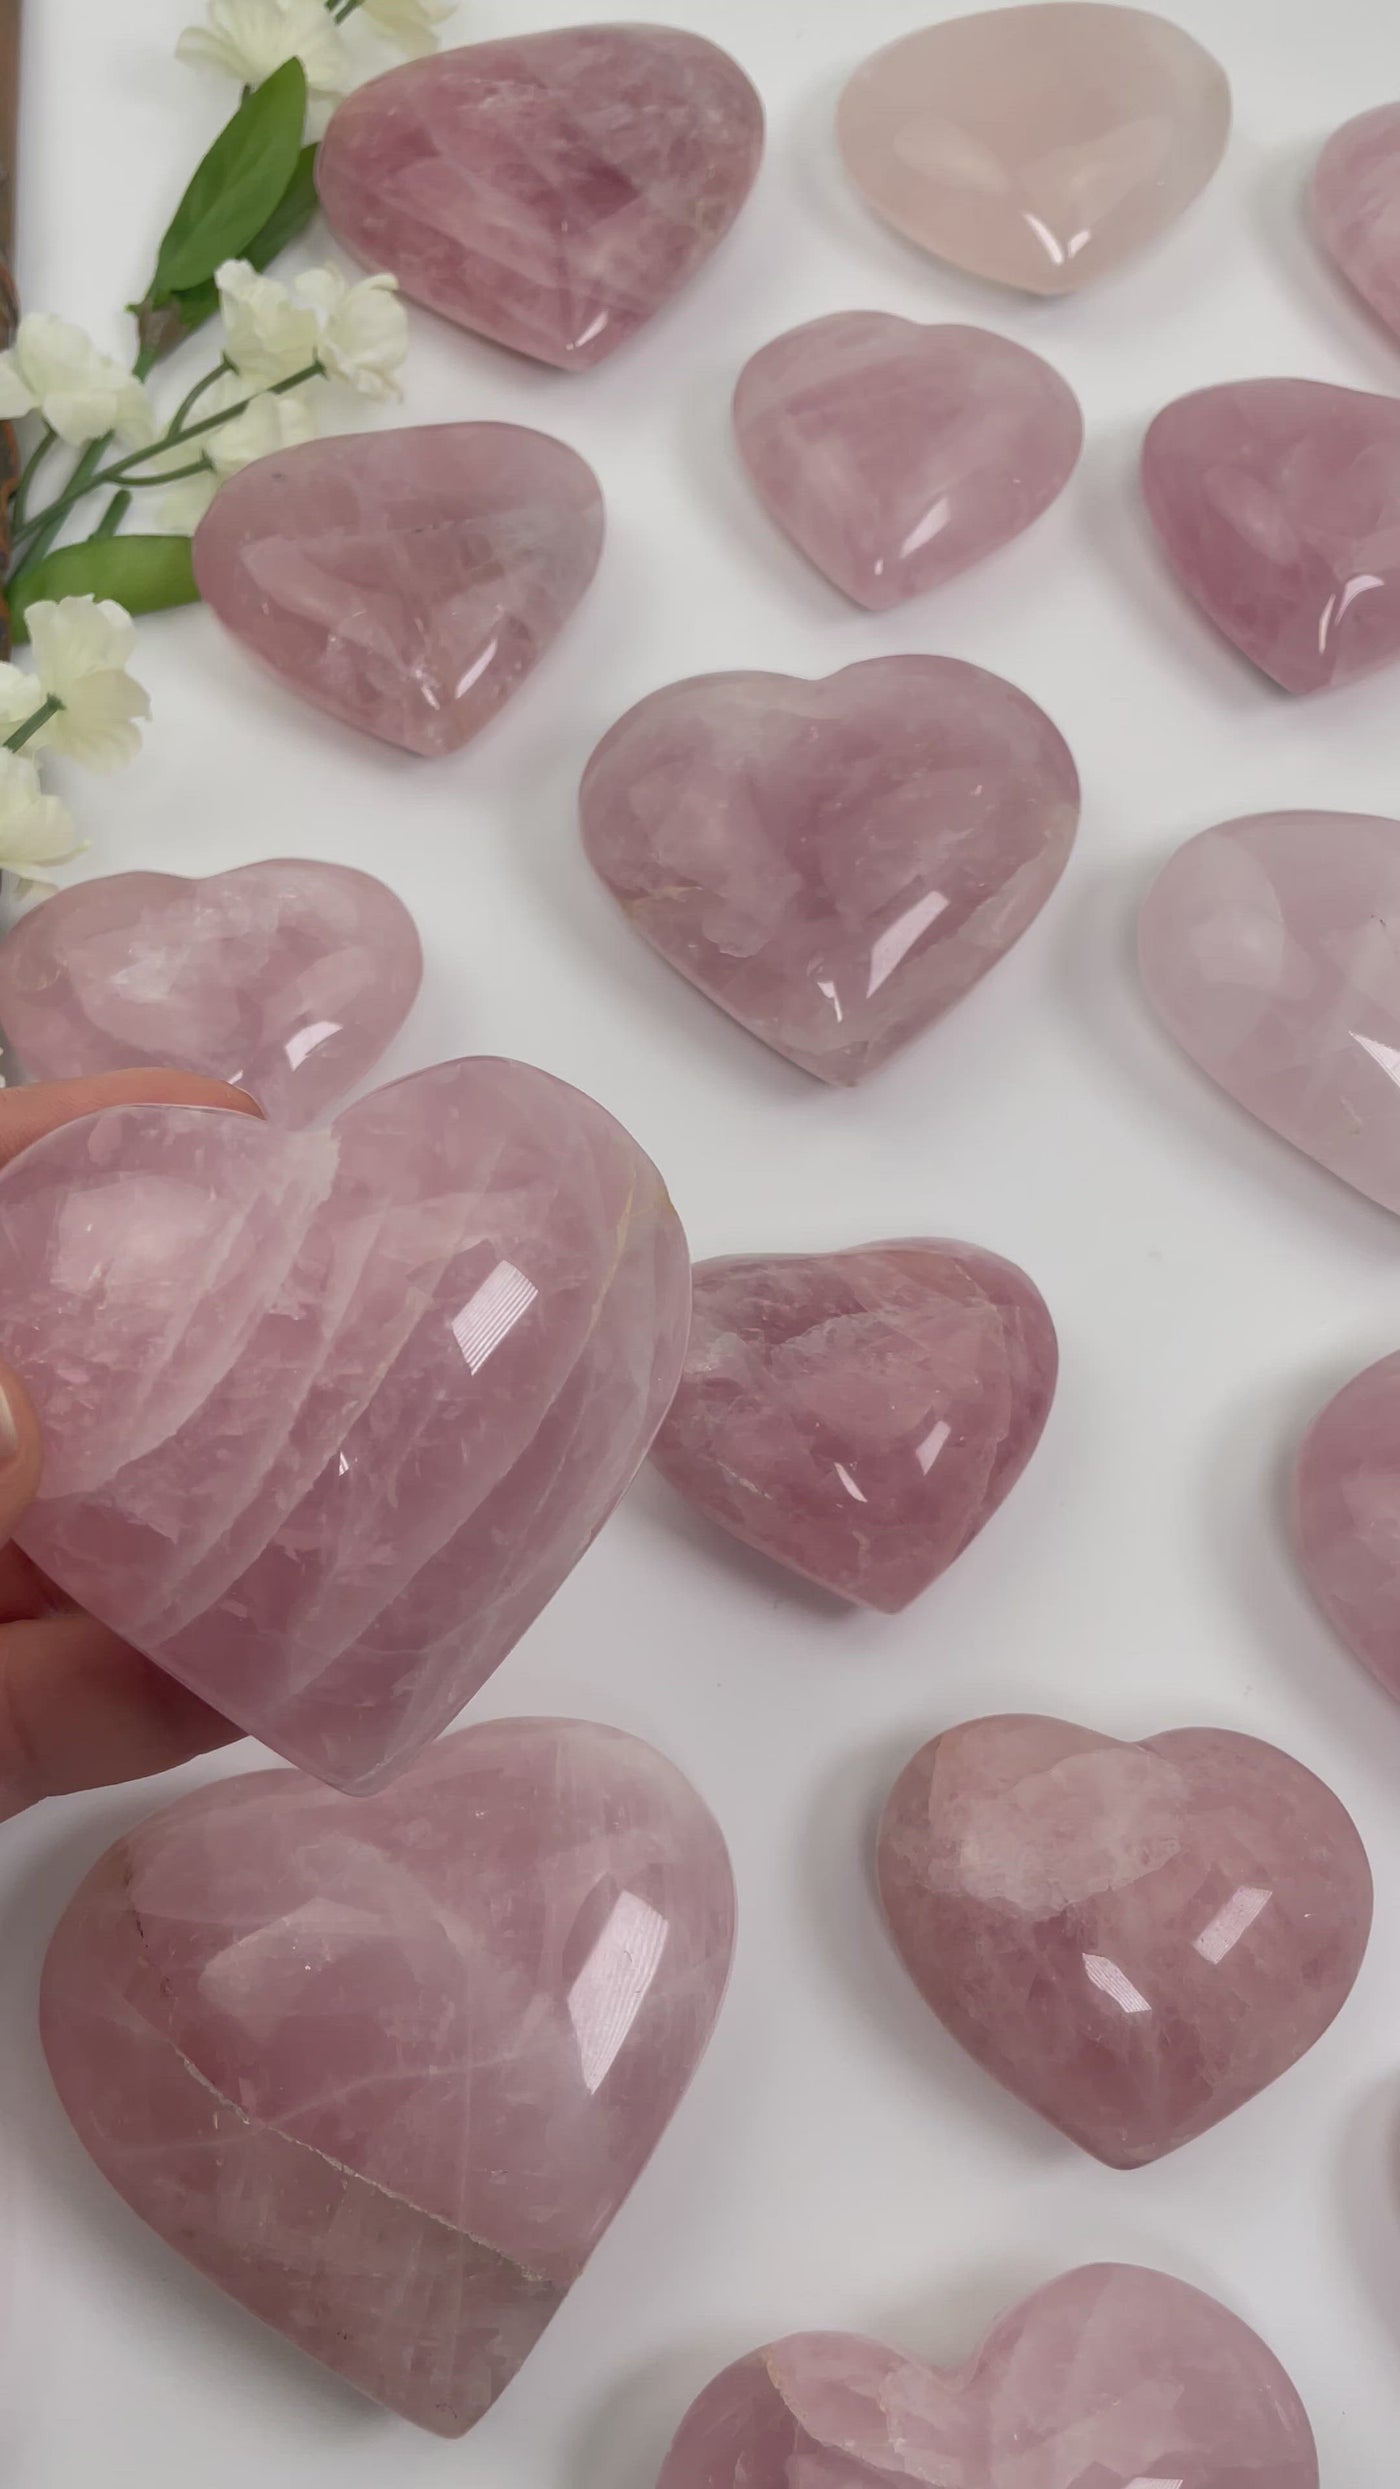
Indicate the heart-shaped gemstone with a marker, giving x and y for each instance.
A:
(897, 455)
(1356, 207)
(1039, 146)
(833, 863)
(385, 2068)
(1271, 949)
(328, 1417)
(288, 978)
(859, 1415)
(551, 191)
(1346, 1515)
(407, 581)
(1278, 504)
(1112, 2377)
(1133, 1939)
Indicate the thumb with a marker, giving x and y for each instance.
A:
(21, 1454)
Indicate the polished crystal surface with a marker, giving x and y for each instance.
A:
(1111, 2377)
(859, 1415)
(552, 190)
(1038, 146)
(408, 581)
(1271, 949)
(1346, 1516)
(1278, 505)
(1134, 1939)
(1356, 207)
(385, 2068)
(896, 455)
(328, 1417)
(288, 978)
(833, 863)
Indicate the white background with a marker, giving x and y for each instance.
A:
(838, 2162)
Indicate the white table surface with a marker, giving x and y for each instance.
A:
(838, 2162)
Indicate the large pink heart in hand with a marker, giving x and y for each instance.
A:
(328, 1417)
(1133, 1939)
(1112, 2377)
(386, 2067)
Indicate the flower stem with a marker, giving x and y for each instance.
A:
(113, 515)
(347, 9)
(192, 398)
(44, 526)
(40, 717)
(29, 470)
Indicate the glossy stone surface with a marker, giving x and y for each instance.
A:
(551, 190)
(328, 1417)
(288, 978)
(860, 1415)
(1111, 2377)
(408, 581)
(1278, 505)
(1038, 146)
(833, 863)
(1356, 207)
(1346, 1516)
(1133, 1939)
(1271, 949)
(897, 455)
(385, 2068)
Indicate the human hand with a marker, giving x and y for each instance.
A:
(78, 1706)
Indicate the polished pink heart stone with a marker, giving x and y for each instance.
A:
(385, 2068)
(286, 978)
(833, 863)
(551, 191)
(896, 455)
(1346, 1516)
(328, 1417)
(1133, 1939)
(1356, 207)
(1112, 2377)
(858, 1416)
(407, 581)
(1270, 947)
(1038, 146)
(1278, 505)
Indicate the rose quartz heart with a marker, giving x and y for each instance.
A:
(1346, 1516)
(1112, 2377)
(328, 1417)
(1271, 949)
(385, 2068)
(407, 581)
(1278, 504)
(833, 863)
(288, 978)
(1356, 207)
(1133, 1939)
(552, 190)
(896, 455)
(860, 1415)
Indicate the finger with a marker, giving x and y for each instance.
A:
(80, 1708)
(27, 1114)
(20, 1454)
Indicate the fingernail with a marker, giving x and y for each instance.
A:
(9, 1430)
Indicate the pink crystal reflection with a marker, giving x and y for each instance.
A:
(833, 863)
(407, 581)
(552, 190)
(288, 978)
(1133, 1939)
(1278, 504)
(386, 2068)
(896, 455)
(1037, 146)
(329, 1417)
(1346, 1516)
(1356, 207)
(1270, 947)
(860, 1415)
(1112, 2377)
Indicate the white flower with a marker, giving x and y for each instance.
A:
(35, 828)
(267, 423)
(364, 329)
(55, 368)
(251, 38)
(267, 335)
(410, 24)
(80, 651)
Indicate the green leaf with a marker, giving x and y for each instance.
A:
(294, 210)
(236, 189)
(144, 573)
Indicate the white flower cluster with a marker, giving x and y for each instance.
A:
(81, 648)
(248, 39)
